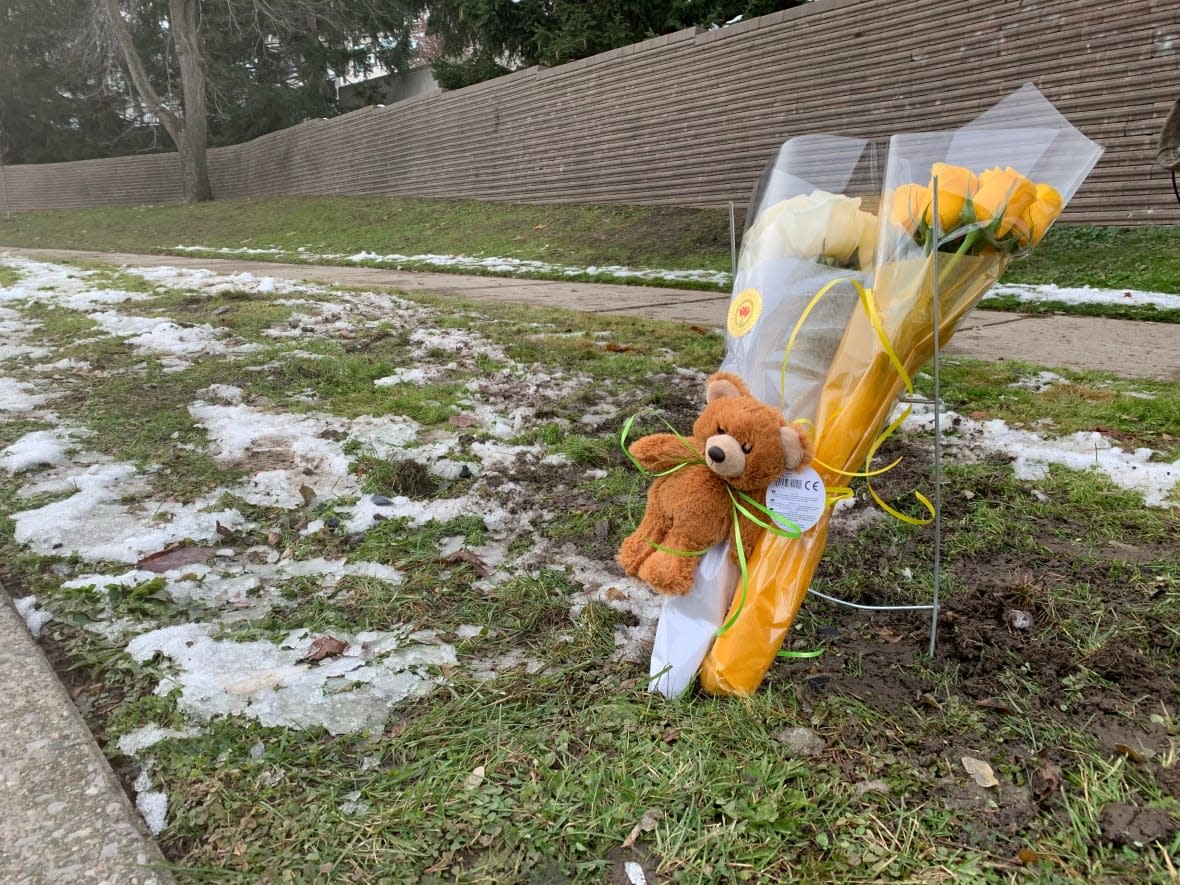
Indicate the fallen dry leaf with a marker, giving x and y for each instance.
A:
(700, 330)
(1129, 751)
(1046, 777)
(647, 824)
(614, 594)
(671, 734)
(464, 555)
(325, 647)
(980, 772)
(463, 421)
(176, 556)
(616, 347)
(1027, 857)
(273, 537)
(473, 780)
(994, 704)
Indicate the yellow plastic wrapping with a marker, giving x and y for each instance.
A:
(860, 390)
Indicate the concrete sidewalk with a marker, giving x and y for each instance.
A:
(1130, 349)
(66, 817)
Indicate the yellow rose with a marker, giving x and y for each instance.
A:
(909, 205)
(1004, 194)
(955, 185)
(1046, 193)
(1038, 217)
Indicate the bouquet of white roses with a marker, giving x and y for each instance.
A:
(806, 234)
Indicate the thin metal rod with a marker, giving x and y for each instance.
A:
(732, 242)
(935, 234)
(871, 608)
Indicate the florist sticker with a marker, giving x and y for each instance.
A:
(744, 311)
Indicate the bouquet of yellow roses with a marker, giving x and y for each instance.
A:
(956, 207)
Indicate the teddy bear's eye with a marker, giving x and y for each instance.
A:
(747, 448)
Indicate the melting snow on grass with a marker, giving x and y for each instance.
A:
(1043, 292)
(41, 448)
(105, 511)
(97, 523)
(479, 264)
(1033, 454)
(276, 684)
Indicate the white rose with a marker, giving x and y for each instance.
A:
(805, 226)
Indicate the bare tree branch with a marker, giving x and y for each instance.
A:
(137, 72)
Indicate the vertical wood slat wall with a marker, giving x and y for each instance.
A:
(690, 118)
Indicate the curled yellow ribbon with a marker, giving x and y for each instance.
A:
(839, 493)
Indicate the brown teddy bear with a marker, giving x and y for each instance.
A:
(738, 441)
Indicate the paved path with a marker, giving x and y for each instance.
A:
(65, 817)
(1131, 349)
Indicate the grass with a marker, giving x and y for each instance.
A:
(670, 238)
(541, 772)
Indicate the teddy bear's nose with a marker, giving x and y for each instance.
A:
(716, 454)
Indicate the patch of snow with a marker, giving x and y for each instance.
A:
(209, 282)
(34, 616)
(487, 264)
(226, 393)
(1084, 295)
(40, 448)
(14, 331)
(415, 376)
(135, 742)
(151, 804)
(504, 457)
(95, 524)
(17, 396)
(457, 341)
(1039, 382)
(276, 686)
(158, 336)
(1032, 454)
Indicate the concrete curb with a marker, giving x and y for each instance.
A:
(66, 817)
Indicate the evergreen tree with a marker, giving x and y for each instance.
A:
(480, 39)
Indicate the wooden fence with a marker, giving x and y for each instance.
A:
(691, 118)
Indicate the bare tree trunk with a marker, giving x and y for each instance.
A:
(190, 133)
(195, 136)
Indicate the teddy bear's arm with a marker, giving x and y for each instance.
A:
(663, 451)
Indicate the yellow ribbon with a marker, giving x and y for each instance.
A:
(839, 493)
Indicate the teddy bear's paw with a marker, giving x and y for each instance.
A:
(669, 574)
(633, 551)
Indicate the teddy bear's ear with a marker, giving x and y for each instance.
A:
(724, 384)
